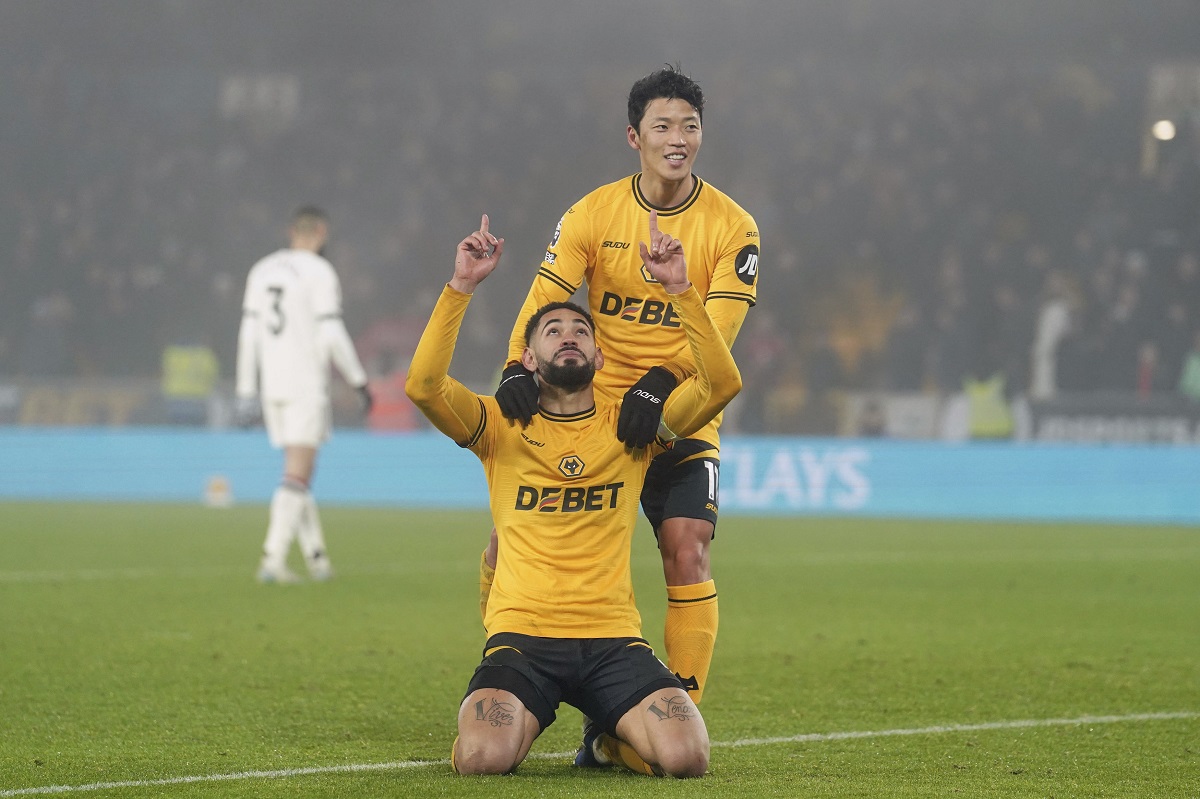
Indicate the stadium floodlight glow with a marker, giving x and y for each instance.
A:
(1163, 130)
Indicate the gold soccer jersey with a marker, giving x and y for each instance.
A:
(636, 325)
(563, 490)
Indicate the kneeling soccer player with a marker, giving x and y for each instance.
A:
(561, 618)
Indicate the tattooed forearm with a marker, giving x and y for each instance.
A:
(672, 707)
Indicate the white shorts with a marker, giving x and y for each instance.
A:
(297, 424)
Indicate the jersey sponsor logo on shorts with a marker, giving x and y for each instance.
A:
(555, 499)
(639, 310)
(746, 264)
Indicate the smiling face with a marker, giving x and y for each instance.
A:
(562, 350)
(667, 140)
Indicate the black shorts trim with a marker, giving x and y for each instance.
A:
(503, 677)
(681, 449)
(676, 488)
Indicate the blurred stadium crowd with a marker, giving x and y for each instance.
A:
(923, 223)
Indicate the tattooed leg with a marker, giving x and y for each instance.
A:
(663, 735)
(495, 732)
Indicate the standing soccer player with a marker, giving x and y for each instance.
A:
(562, 622)
(595, 242)
(291, 331)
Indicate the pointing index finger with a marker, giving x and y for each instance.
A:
(653, 224)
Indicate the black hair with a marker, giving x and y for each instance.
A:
(668, 83)
(532, 325)
(309, 214)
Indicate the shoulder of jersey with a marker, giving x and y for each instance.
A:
(711, 195)
(311, 264)
(312, 257)
(270, 258)
(607, 194)
(264, 265)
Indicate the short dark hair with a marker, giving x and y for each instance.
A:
(668, 83)
(307, 215)
(532, 325)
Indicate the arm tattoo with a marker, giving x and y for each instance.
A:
(672, 707)
(498, 714)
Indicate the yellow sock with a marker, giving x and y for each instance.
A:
(625, 755)
(691, 633)
(453, 752)
(486, 574)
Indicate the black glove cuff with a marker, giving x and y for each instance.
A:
(660, 378)
(514, 370)
(517, 398)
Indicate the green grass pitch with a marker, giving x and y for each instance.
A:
(856, 658)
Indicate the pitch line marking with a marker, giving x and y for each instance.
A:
(988, 725)
(990, 557)
(131, 574)
(811, 737)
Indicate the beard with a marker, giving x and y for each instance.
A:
(569, 376)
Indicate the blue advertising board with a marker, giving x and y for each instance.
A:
(1138, 483)
(759, 475)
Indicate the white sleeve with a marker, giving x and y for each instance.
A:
(336, 341)
(247, 351)
(331, 330)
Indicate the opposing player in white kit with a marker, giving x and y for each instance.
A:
(291, 331)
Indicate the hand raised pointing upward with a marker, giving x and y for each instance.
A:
(664, 258)
(477, 255)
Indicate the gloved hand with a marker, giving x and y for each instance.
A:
(364, 396)
(247, 412)
(517, 394)
(642, 407)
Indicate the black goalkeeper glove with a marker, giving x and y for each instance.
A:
(365, 397)
(517, 394)
(642, 407)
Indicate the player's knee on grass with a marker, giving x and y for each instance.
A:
(668, 732)
(481, 758)
(495, 731)
(685, 758)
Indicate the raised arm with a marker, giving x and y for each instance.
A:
(732, 292)
(698, 400)
(449, 405)
(559, 276)
(729, 316)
